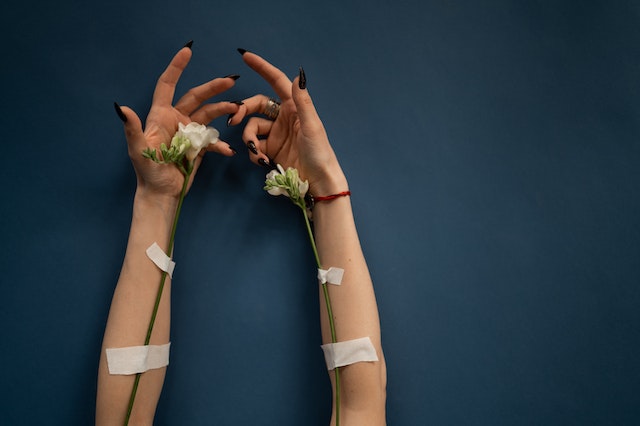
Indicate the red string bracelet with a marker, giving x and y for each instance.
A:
(333, 196)
(312, 200)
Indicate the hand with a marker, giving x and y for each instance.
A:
(297, 137)
(162, 123)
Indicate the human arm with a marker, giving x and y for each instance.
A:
(298, 139)
(154, 209)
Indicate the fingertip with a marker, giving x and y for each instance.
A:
(301, 95)
(268, 164)
(221, 147)
(185, 54)
(302, 79)
(252, 147)
(120, 113)
(236, 117)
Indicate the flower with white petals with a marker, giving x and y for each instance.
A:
(287, 182)
(194, 137)
(187, 143)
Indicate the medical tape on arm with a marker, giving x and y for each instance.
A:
(331, 275)
(159, 257)
(349, 352)
(137, 359)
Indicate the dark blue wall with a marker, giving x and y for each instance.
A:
(493, 152)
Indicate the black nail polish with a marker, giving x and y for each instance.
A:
(252, 147)
(232, 76)
(233, 150)
(119, 112)
(302, 81)
(229, 118)
(237, 102)
(266, 164)
(272, 164)
(242, 51)
(189, 44)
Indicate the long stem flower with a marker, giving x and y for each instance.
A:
(288, 183)
(185, 146)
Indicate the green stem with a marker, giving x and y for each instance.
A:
(163, 279)
(327, 301)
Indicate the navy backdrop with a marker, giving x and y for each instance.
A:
(492, 149)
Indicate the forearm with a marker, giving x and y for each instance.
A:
(130, 313)
(353, 304)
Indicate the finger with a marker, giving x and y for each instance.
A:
(134, 134)
(207, 113)
(272, 75)
(221, 147)
(238, 116)
(255, 129)
(251, 135)
(166, 86)
(253, 105)
(191, 100)
(309, 119)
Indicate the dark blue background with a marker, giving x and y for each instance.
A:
(493, 152)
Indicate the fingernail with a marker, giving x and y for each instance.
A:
(229, 118)
(233, 150)
(302, 82)
(252, 147)
(272, 164)
(189, 44)
(242, 51)
(264, 163)
(119, 112)
(237, 102)
(232, 76)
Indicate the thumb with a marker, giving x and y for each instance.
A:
(132, 128)
(309, 119)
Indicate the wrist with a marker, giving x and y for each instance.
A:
(152, 205)
(332, 181)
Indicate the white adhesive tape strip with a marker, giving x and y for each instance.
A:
(349, 352)
(331, 275)
(162, 261)
(137, 359)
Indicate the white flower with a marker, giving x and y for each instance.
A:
(287, 182)
(194, 137)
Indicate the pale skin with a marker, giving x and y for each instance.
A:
(295, 139)
(154, 207)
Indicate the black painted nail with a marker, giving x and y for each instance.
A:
(189, 44)
(252, 147)
(302, 82)
(229, 118)
(233, 150)
(237, 102)
(265, 163)
(119, 112)
(242, 51)
(233, 76)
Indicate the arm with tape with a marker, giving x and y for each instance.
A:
(135, 350)
(355, 313)
(128, 320)
(297, 138)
